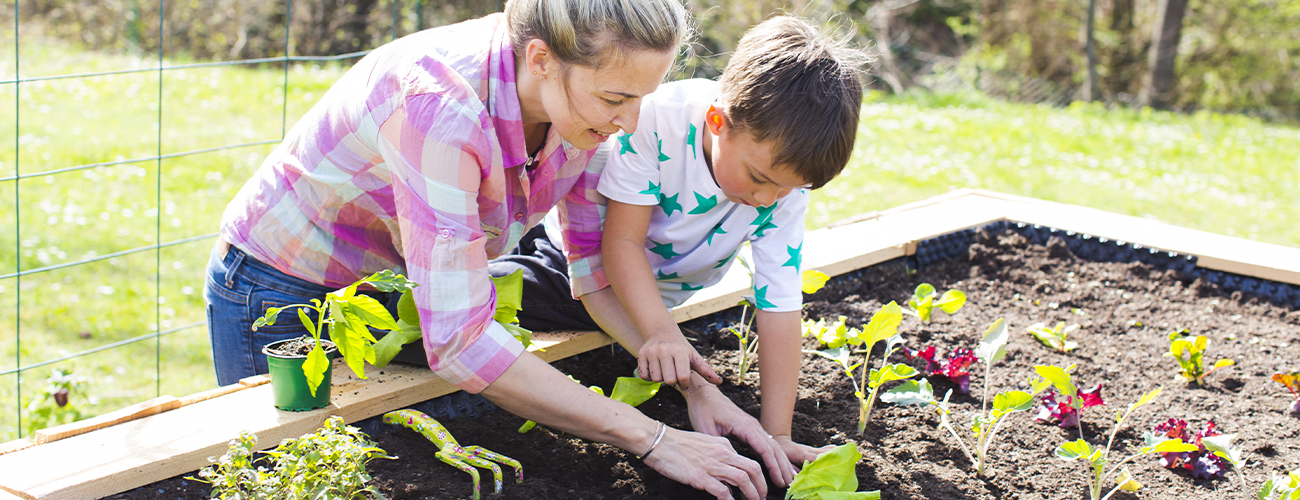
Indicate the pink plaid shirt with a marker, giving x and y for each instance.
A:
(413, 161)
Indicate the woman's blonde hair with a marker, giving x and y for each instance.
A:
(589, 32)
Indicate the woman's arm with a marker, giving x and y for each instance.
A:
(534, 390)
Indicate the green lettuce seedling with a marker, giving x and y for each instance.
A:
(882, 327)
(1284, 487)
(976, 440)
(349, 317)
(832, 476)
(1054, 337)
(924, 301)
(1188, 351)
(1098, 458)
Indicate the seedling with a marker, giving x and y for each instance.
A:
(61, 402)
(977, 439)
(832, 476)
(330, 463)
(1210, 459)
(883, 326)
(1292, 383)
(1098, 458)
(630, 390)
(1066, 412)
(1284, 487)
(953, 366)
(813, 281)
(924, 300)
(1054, 337)
(1188, 350)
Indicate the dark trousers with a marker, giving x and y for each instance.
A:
(548, 302)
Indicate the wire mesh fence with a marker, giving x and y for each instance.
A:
(133, 123)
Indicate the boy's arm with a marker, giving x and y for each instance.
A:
(666, 355)
(779, 360)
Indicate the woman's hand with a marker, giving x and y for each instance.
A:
(669, 358)
(714, 414)
(707, 463)
(799, 454)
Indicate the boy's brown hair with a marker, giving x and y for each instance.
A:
(789, 84)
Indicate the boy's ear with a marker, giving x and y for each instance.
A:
(716, 119)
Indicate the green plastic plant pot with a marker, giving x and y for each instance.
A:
(289, 384)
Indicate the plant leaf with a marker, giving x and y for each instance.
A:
(1146, 398)
(1059, 378)
(510, 296)
(387, 347)
(813, 280)
(890, 373)
(1169, 446)
(1013, 401)
(633, 390)
(834, 470)
(267, 319)
(1222, 363)
(1126, 482)
(314, 368)
(1221, 445)
(992, 347)
(839, 355)
(911, 392)
(884, 324)
(1074, 450)
(371, 312)
(307, 322)
(951, 301)
(388, 281)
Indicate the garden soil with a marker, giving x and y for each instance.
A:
(1125, 311)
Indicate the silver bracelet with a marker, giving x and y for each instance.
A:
(659, 434)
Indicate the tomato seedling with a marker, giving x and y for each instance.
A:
(1054, 336)
(843, 342)
(924, 300)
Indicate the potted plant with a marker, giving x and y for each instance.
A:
(299, 367)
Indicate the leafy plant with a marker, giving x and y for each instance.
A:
(1099, 458)
(977, 439)
(1292, 383)
(1054, 337)
(924, 300)
(1066, 413)
(812, 281)
(883, 326)
(61, 402)
(1213, 453)
(953, 366)
(1188, 351)
(831, 476)
(1284, 487)
(348, 317)
(330, 463)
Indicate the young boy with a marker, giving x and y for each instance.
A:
(711, 166)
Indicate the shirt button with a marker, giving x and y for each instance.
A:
(519, 216)
(445, 233)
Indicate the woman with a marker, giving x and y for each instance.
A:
(433, 155)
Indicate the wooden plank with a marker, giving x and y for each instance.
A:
(15, 445)
(13, 495)
(212, 393)
(139, 410)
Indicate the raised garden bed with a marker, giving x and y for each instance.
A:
(1021, 274)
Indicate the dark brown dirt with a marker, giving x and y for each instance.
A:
(1125, 311)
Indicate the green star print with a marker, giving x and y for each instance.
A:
(664, 250)
(669, 204)
(661, 276)
(662, 156)
(764, 215)
(625, 141)
(724, 261)
(716, 230)
(688, 288)
(690, 141)
(760, 299)
(796, 256)
(653, 189)
(766, 225)
(704, 204)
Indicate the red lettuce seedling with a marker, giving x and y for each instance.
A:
(832, 476)
(1054, 337)
(1064, 412)
(1292, 383)
(1099, 458)
(924, 300)
(1212, 454)
(953, 366)
(1188, 350)
(977, 438)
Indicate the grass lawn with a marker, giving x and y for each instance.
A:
(1224, 174)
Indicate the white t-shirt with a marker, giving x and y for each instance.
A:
(696, 231)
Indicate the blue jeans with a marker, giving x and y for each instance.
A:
(239, 289)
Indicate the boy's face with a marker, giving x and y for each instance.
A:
(742, 167)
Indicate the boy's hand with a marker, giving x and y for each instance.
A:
(670, 359)
(799, 454)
